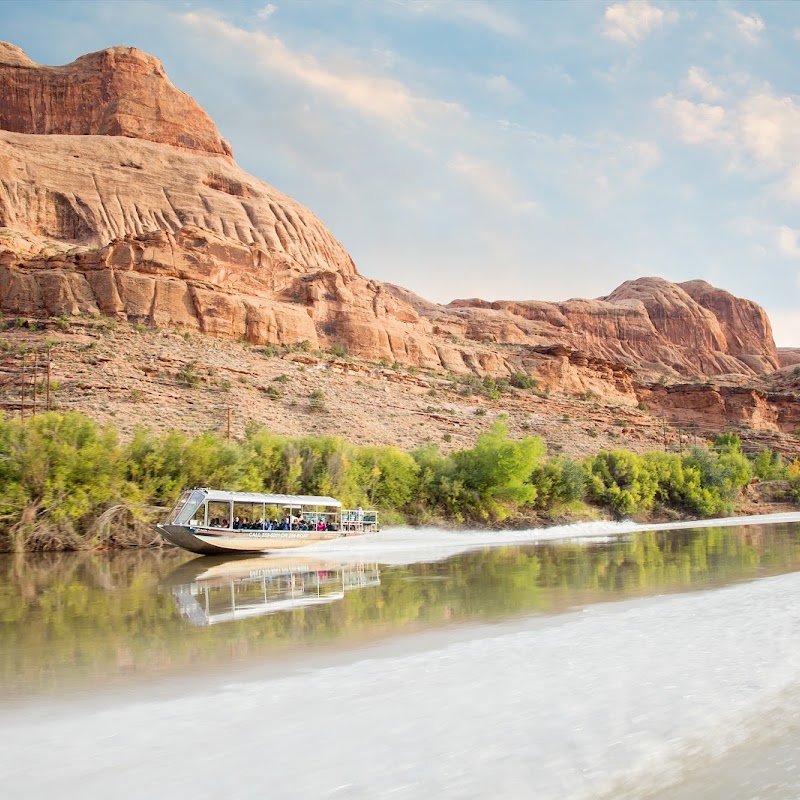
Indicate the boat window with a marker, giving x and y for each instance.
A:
(246, 514)
(219, 513)
(178, 506)
(273, 514)
(194, 502)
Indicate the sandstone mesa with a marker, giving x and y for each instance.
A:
(118, 196)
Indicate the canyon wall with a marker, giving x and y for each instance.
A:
(119, 197)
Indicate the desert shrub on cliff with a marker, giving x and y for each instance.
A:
(769, 466)
(317, 401)
(521, 380)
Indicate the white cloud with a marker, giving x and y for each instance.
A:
(639, 158)
(696, 123)
(787, 241)
(770, 129)
(699, 83)
(630, 22)
(749, 25)
(267, 11)
(556, 74)
(473, 11)
(758, 132)
(385, 100)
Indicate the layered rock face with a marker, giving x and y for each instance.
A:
(118, 196)
(649, 323)
(120, 91)
(92, 190)
(714, 408)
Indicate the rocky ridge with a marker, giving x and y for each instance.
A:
(118, 197)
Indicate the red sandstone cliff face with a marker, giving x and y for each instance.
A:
(744, 325)
(648, 323)
(714, 408)
(117, 197)
(120, 91)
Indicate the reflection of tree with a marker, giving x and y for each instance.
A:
(100, 615)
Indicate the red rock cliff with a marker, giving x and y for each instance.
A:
(120, 91)
(117, 197)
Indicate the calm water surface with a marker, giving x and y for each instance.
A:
(73, 619)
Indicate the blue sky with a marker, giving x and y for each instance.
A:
(504, 150)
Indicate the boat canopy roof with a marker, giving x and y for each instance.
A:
(271, 499)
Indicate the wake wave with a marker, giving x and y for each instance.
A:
(396, 546)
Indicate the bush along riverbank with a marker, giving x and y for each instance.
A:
(67, 484)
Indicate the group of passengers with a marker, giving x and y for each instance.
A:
(288, 523)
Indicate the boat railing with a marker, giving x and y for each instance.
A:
(359, 520)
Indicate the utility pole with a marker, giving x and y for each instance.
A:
(22, 390)
(35, 375)
(48, 378)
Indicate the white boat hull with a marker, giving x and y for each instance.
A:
(207, 542)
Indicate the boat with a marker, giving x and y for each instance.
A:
(215, 589)
(214, 522)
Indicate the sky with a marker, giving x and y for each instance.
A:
(503, 150)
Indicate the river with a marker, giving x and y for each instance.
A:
(596, 661)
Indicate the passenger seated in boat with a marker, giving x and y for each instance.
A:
(321, 525)
(237, 523)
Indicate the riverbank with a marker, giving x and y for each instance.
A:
(67, 484)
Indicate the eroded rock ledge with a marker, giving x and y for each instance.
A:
(120, 91)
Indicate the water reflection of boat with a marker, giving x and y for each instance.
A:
(210, 590)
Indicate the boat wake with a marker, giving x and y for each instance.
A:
(396, 546)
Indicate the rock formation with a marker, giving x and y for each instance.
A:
(120, 91)
(649, 323)
(119, 197)
(715, 408)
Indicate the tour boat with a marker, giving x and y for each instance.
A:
(215, 589)
(212, 522)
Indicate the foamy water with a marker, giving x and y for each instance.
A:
(611, 701)
(411, 545)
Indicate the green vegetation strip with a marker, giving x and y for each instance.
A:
(67, 484)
